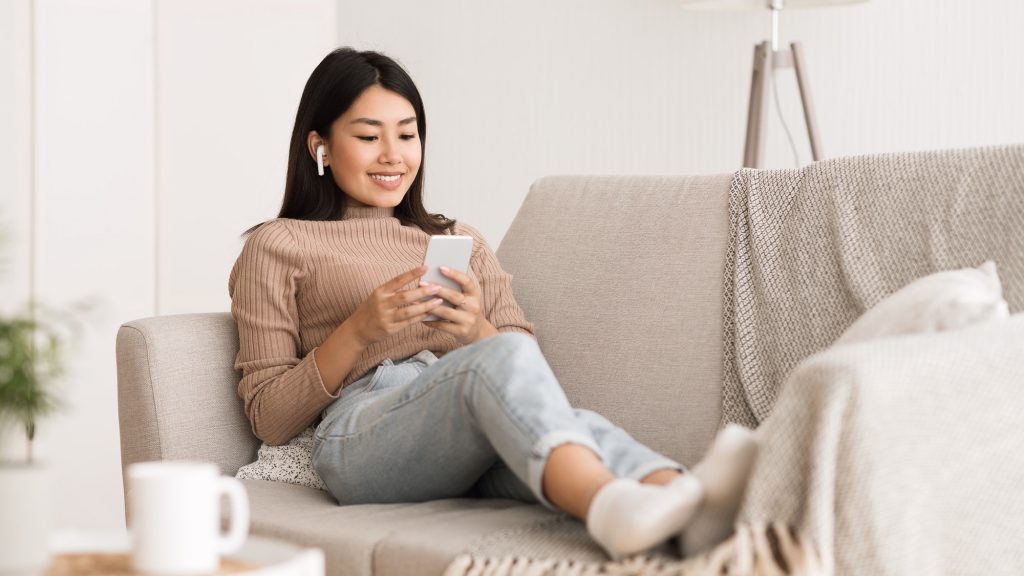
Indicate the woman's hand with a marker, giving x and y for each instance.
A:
(466, 321)
(389, 309)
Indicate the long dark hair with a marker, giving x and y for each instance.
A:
(340, 78)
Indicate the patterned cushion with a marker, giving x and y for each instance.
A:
(291, 462)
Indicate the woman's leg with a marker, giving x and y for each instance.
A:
(661, 477)
(723, 473)
(435, 436)
(625, 458)
(573, 476)
(721, 476)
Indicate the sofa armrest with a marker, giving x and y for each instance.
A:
(902, 451)
(177, 397)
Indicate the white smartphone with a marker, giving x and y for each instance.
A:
(449, 251)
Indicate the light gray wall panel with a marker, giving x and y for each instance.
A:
(229, 77)
(94, 190)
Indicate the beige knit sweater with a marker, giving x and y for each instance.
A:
(296, 281)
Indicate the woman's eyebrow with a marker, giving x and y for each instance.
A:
(373, 122)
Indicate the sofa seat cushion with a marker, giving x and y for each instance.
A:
(385, 539)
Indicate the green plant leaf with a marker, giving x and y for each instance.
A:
(30, 359)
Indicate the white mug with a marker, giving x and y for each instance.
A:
(175, 517)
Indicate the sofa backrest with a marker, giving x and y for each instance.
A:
(622, 277)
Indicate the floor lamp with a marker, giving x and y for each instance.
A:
(768, 57)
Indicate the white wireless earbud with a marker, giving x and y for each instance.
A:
(320, 159)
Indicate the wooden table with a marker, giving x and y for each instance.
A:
(108, 554)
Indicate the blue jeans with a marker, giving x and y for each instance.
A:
(481, 421)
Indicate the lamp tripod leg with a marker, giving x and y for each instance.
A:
(805, 98)
(753, 155)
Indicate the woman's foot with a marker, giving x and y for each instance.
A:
(626, 517)
(723, 473)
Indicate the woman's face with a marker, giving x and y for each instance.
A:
(374, 150)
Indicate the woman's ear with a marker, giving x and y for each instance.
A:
(312, 141)
(319, 150)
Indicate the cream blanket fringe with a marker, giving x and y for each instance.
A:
(755, 550)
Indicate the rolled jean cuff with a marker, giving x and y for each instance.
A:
(539, 459)
(655, 465)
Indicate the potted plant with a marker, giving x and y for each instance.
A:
(30, 358)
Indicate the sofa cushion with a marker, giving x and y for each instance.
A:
(383, 539)
(947, 300)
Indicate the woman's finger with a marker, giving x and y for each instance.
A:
(456, 297)
(464, 280)
(396, 283)
(451, 320)
(412, 312)
(415, 294)
(453, 315)
(443, 326)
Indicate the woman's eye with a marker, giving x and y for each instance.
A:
(408, 136)
(367, 138)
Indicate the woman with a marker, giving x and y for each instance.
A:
(330, 314)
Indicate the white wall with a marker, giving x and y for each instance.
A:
(15, 153)
(15, 171)
(229, 83)
(153, 125)
(162, 126)
(94, 197)
(517, 90)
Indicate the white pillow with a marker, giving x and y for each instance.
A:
(291, 462)
(947, 300)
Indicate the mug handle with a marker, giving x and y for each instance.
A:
(239, 501)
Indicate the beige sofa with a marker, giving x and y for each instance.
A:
(622, 277)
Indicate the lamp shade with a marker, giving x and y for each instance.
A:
(760, 4)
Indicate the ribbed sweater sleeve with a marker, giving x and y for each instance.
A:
(499, 305)
(282, 391)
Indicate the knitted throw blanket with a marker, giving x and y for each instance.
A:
(902, 455)
(811, 249)
(899, 455)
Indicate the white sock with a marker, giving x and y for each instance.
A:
(627, 517)
(724, 473)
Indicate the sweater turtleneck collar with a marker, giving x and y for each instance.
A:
(368, 212)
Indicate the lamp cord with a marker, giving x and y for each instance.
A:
(778, 110)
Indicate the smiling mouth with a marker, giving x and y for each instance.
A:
(386, 177)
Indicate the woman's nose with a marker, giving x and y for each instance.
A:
(389, 153)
